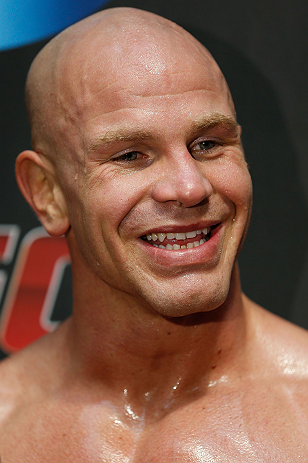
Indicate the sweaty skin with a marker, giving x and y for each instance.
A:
(137, 159)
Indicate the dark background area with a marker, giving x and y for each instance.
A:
(262, 48)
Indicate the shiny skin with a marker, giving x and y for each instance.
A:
(164, 358)
(256, 415)
(169, 184)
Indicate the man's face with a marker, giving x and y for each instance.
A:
(160, 196)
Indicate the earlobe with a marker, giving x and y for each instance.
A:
(37, 184)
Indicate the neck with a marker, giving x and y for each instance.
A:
(145, 358)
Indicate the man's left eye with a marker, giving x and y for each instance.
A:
(205, 145)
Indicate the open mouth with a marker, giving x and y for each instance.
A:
(181, 240)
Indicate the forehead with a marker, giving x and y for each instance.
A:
(119, 84)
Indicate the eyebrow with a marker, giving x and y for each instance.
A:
(114, 136)
(215, 120)
(126, 135)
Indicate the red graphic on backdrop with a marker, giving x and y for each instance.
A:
(9, 235)
(33, 289)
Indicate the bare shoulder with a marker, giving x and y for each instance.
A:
(282, 344)
(10, 387)
(26, 375)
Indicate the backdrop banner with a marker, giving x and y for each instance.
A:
(26, 21)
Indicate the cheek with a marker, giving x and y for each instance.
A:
(232, 180)
(109, 200)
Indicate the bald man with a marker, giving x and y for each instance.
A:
(137, 159)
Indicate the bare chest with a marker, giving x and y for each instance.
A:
(213, 431)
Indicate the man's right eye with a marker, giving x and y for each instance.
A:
(127, 157)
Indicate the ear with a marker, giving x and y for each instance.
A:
(36, 180)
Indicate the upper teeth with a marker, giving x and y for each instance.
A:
(176, 236)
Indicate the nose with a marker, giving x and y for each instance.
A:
(182, 179)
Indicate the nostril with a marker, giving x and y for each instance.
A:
(185, 192)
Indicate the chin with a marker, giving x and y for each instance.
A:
(186, 303)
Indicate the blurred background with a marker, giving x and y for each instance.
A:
(262, 48)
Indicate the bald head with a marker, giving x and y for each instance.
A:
(122, 45)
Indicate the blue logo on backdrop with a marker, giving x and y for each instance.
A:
(26, 21)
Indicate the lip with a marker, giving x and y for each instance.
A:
(206, 254)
